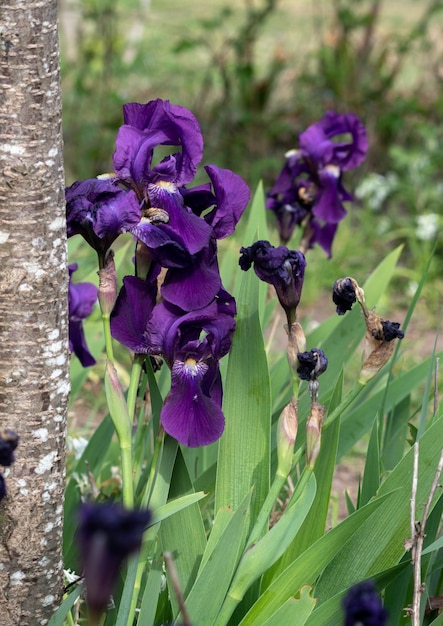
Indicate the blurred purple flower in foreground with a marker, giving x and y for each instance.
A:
(309, 190)
(363, 607)
(81, 298)
(8, 443)
(107, 535)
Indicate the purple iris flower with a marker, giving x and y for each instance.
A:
(310, 184)
(280, 267)
(107, 535)
(192, 345)
(132, 311)
(100, 210)
(363, 607)
(81, 299)
(147, 126)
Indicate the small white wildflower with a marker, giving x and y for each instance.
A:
(427, 226)
(76, 445)
(70, 576)
(383, 225)
(375, 188)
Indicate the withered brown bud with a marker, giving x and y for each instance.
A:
(378, 345)
(313, 433)
(286, 434)
(107, 288)
(296, 344)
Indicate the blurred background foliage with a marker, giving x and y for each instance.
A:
(256, 73)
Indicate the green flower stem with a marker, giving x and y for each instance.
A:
(136, 373)
(118, 410)
(347, 401)
(128, 486)
(149, 537)
(262, 519)
(108, 338)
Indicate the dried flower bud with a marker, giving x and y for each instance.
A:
(286, 434)
(107, 289)
(296, 344)
(378, 345)
(143, 259)
(313, 433)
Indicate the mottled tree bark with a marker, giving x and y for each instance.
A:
(34, 359)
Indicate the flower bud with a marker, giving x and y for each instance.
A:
(311, 364)
(286, 434)
(107, 289)
(313, 433)
(345, 292)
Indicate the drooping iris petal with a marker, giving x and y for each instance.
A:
(196, 285)
(81, 300)
(188, 414)
(323, 234)
(163, 244)
(132, 311)
(230, 198)
(328, 206)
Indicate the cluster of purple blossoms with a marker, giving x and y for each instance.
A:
(309, 191)
(189, 319)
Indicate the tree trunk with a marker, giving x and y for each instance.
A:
(34, 378)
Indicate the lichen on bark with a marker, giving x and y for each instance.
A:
(34, 359)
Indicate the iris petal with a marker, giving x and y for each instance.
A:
(188, 415)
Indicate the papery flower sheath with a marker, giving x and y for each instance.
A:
(280, 267)
(81, 299)
(107, 535)
(309, 190)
